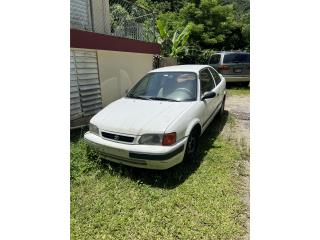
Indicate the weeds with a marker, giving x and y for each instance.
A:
(198, 200)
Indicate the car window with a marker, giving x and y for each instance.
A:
(214, 59)
(206, 81)
(176, 86)
(236, 58)
(216, 76)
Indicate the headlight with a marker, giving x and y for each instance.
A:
(151, 139)
(158, 139)
(93, 128)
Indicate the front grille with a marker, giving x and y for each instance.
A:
(117, 137)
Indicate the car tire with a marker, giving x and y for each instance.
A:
(221, 111)
(192, 146)
(245, 84)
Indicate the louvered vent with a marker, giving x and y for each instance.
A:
(85, 86)
(75, 103)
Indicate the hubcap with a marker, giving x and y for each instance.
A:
(192, 145)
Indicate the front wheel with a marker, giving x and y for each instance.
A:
(192, 146)
(222, 107)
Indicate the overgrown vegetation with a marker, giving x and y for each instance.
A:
(215, 25)
(190, 201)
(177, 44)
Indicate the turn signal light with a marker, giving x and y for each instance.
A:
(169, 139)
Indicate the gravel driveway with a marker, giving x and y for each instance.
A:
(239, 107)
(238, 131)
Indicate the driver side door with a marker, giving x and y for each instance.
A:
(207, 84)
(220, 86)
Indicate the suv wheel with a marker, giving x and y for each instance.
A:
(245, 84)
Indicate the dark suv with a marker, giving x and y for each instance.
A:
(234, 66)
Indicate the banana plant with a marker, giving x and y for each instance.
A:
(180, 40)
(175, 44)
(163, 38)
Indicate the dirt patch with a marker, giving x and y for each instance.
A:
(239, 109)
(238, 131)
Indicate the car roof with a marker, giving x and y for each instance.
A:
(181, 68)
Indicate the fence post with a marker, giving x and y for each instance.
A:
(154, 27)
(91, 15)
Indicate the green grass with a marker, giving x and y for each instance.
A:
(238, 91)
(197, 200)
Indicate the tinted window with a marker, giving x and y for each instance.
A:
(236, 58)
(177, 86)
(206, 81)
(216, 76)
(214, 59)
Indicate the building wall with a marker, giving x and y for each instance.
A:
(101, 16)
(118, 71)
(119, 63)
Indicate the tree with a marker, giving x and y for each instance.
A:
(215, 24)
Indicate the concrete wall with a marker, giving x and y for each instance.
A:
(118, 71)
(168, 61)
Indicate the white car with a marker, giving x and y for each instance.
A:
(158, 123)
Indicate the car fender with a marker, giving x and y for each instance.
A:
(191, 125)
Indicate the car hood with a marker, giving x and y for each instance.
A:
(137, 117)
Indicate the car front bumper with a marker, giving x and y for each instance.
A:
(135, 155)
(233, 78)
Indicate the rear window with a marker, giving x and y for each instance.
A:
(236, 58)
(214, 59)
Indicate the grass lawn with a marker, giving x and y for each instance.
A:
(197, 200)
(238, 91)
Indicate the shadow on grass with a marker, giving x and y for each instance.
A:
(77, 134)
(236, 85)
(176, 175)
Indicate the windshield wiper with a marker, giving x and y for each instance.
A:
(163, 99)
(137, 96)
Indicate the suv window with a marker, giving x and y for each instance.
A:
(215, 75)
(215, 59)
(206, 81)
(236, 58)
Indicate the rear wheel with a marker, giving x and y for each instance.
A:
(192, 146)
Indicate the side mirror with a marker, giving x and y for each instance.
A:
(208, 95)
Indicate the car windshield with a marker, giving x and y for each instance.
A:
(166, 86)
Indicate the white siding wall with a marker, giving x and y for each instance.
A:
(119, 71)
(99, 77)
(80, 14)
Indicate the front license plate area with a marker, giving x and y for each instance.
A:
(113, 151)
